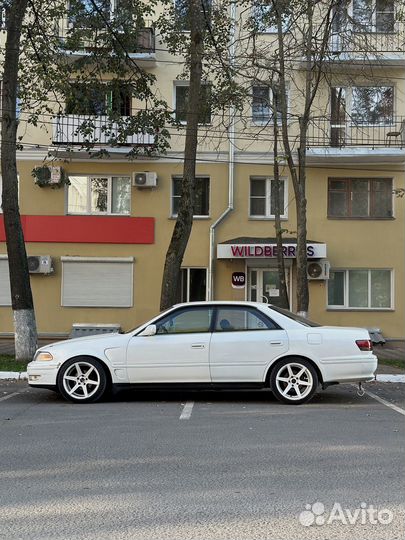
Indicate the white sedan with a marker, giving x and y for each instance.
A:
(213, 345)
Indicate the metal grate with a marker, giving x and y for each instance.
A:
(89, 329)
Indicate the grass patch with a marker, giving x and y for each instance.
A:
(9, 363)
(400, 364)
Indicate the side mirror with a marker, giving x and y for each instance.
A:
(150, 330)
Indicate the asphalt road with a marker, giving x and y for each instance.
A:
(200, 465)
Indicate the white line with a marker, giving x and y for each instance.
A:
(385, 402)
(187, 410)
(9, 396)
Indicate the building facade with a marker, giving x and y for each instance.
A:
(102, 239)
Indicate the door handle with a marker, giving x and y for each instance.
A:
(276, 342)
(198, 346)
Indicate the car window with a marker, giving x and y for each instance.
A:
(294, 316)
(186, 320)
(236, 319)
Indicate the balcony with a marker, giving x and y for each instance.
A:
(143, 50)
(357, 142)
(68, 131)
(374, 47)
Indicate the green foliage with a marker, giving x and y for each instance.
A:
(43, 174)
(82, 40)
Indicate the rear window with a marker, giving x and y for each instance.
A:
(294, 317)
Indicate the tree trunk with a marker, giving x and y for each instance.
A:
(21, 296)
(184, 221)
(277, 213)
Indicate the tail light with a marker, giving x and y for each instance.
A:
(364, 344)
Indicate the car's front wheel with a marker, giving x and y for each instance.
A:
(82, 380)
(294, 381)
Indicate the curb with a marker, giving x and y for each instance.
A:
(14, 375)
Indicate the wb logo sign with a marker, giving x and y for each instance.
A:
(238, 280)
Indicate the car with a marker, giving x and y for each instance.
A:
(209, 345)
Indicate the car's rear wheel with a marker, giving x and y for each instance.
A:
(294, 381)
(82, 380)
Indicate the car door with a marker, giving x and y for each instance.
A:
(244, 342)
(179, 352)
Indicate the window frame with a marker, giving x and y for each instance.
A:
(268, 30)
(186, 84)
(370, 198)
(372, 29)
(352, 122)
(174, 215)
(346, 291)
(268, 215)
(256, 312)
(88, 212)
(181, 310)
(188, 270)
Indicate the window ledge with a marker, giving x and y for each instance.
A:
(266, 218)
(195, 218)
(361, 218)
(359, 309)
(99, 215)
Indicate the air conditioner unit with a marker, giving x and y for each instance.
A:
(144, 179)
(318, 269)
(40, 264)
(56, 175)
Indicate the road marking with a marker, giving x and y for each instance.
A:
(385, 402)
(187, 410)
(9, 396)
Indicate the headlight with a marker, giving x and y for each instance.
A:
(43, 357)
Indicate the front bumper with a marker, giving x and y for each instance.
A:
(42, 374)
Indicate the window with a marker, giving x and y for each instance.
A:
(181, 98)
(5, 293)
(237, 319)
(99, 101)
(84, 13)
(262, 197)
(2, 18)
(99, 195)
(97, 282)
(264, 19)
(374, 15)
(262, 105)
(372, 105)
(201, 196)
(360, 198)
(193, 285)
(181, 8)
(362, 289)
(186, 321)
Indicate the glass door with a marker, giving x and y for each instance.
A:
(264, 285)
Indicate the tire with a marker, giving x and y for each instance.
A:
(293, 381)
(82, 380)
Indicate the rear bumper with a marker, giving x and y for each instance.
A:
(354, 370)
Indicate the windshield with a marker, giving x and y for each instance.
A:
(294, 317)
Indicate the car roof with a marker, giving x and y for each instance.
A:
(223, 302)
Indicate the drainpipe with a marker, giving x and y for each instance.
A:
(231, 166)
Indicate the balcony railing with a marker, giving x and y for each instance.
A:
(97, 130)
(349, 43)
(145, 42)
(324, 132)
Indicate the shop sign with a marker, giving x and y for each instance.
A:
(238, 280)
(267, 251)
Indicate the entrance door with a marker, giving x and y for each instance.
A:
(264, 285)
